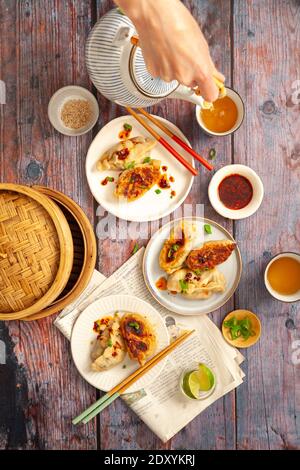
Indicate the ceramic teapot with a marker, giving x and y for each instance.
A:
(117, 68)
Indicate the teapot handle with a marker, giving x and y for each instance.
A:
(123, 36)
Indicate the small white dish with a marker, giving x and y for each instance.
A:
(83, 339)
(283, 298)
(151, 206)
(257, 186)
(241, 113)
(57, 102)
(231, 268)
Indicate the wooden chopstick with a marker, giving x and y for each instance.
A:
(176, 139)
(113, 394)
(135, 376)
(163, 142)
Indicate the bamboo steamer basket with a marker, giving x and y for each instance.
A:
(85, 252)
(36, 251)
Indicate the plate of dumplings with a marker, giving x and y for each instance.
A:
(192, 266)
(132, 176)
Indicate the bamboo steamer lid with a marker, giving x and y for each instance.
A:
(36, 251)
(85, 252)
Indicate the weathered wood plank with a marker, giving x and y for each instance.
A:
(214, 428)
(266, 63)
(42, 49)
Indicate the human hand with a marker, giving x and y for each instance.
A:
(173, 45)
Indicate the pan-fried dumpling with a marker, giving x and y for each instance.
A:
(135, 182)
(133, 150)
(210, 254)
(177, 247)
(139, 337)
(110, 348)
(193, 286)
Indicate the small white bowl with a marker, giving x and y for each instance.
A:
(58, 100)
(283, 298)
(258, 191)
(241, 113)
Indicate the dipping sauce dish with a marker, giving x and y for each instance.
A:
(235, 191)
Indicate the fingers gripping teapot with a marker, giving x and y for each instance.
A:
(118, 70)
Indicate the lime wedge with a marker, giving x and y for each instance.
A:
(186, 386)
(206, 378)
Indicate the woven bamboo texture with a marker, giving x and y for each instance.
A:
(36, 250)
(85, 252)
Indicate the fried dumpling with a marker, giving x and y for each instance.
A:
(210, 254)
(177, 247)
(139, 337)
(110, 348)
(193, 286)
(133, 150)
(135, 182)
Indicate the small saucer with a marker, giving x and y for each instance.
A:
(240, 342)
(65, 94)
(257, 185)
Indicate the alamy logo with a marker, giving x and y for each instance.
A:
(2, 352)
(2, 92)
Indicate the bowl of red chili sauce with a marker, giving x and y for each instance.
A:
(236, 191)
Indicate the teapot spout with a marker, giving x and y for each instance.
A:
(183, 92)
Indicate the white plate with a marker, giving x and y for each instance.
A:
(231, 269)
(151, 206)
(83, 339)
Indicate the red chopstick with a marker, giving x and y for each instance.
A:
(177, 139)
(163, 142)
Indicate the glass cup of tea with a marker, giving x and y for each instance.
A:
(282, 277)
(225, 117)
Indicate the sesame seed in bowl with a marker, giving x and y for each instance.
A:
(73, 110)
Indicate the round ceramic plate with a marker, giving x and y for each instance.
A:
(151, 206)
(231, 269)
(83, 340)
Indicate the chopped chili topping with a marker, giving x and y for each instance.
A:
(163, 182)
(122, 154)
(107, 179)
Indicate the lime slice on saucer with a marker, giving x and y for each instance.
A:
(206, 378)
(197, 381)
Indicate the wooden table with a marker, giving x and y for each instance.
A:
(256, 44)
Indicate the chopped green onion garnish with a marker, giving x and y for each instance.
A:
(198, 271)
(212, 154)
(135, 248)
(183, 285)
(109, 342)
(130, 165)
(240, 328)
(110, 179)
(127, 127)
(147, 160)
(207, 228)
(158, 191)
(134, 325)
